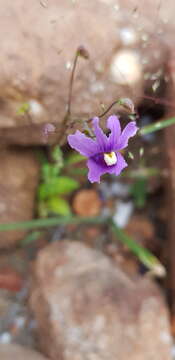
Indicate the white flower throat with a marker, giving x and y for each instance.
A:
(110, 158)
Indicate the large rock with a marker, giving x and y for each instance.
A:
(87, 308)
(14, 351)
(19, 177)
(38, 44)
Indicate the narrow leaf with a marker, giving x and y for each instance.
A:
(146, 257)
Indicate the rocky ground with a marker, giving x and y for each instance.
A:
(74, 292)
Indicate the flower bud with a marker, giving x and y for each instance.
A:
(127, 104)
(82, 51)
(48, 128)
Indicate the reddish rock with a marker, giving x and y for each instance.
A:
(10, 279)
(18, 352)
(86, 307)
(18, 181)
(87, 203)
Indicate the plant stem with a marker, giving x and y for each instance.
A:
(71, 86)
(81, 51)
(156, 126)
(116, 102)
(47, 222)
(109, 108)
(143, 254)
(145, 257)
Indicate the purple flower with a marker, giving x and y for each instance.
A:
(103, 153)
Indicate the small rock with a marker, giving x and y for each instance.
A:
(88, 308)
(14, 351)
(18, 181)
(10, 279)
(87, 203)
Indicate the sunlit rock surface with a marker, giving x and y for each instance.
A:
(86, 308)
(14, 351)
(38, 44)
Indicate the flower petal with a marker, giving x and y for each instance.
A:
(121, 164)
(83, 144)
(96, 169)
(129, 131)
(101, 138)
(113, 124)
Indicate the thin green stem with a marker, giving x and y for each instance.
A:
(47, 222)
(156, 126)
(146, 257)
(143, 254)
(125, 102)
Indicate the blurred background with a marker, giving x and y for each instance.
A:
(87, 271)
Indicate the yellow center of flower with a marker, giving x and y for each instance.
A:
(110, 158)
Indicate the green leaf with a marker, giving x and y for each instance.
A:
(158, 125)
(41, 157)
(31, 237)
(144, 255)
(49, 171)
(141, 151)
(42, 209)
(23, 109)
(57, 156)
(58, 206)
(130, 155)
(61, 185)
(45, 190)
(45, 171)
(139, 192)
(65, 185)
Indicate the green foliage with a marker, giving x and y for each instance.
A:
(49, 171)
(58, 185)
(57, 157)
(23, 109)
(144, 255)
(159, 125)
(31, 237)
(139, 192)
(60, 206)
(130, 155)
(54, 185)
